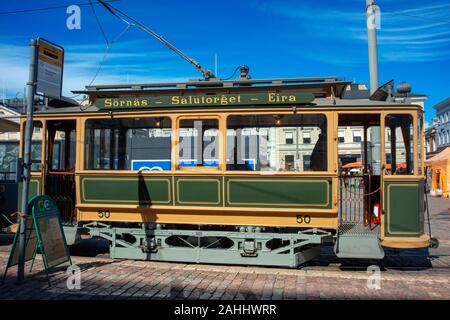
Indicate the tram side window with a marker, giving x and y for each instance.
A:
(257, 143)
(128, 144)
(399, 144)
(198, 143)
(36, 145)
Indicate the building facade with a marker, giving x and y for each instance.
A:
(441, 123)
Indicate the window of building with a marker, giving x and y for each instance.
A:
(256, 142)
(419, 144)
(400, 146)
(128, 144)
(289, 162)
(306, 137)
(388, 158)
(356, 136)
(289, 137)
(341, 136)
(9, 151)
(199, 143)
(306, 162)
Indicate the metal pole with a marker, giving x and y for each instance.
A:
(372, 44)
(31, 86)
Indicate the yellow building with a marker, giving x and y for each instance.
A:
(440, 167)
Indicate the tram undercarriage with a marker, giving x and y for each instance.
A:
(204, 244)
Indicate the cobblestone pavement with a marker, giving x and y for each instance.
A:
(408, 274)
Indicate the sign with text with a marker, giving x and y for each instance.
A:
(44, 232)
(50, 63)
(221, 100)
(50, 232)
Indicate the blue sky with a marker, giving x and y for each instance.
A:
(275, 38)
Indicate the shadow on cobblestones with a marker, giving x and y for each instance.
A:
(6, 239)
(38, 277)
(417, 259)
(90, 247)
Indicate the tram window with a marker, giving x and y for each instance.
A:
(36, 146)
(61, 137)
(129, 144)
(399, 143)
(199, 143)
(257, 143)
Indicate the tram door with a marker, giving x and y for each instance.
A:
(359, 158)
(60, 166)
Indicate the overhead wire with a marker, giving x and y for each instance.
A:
(47, 8)
(417, 17)
(108, 45)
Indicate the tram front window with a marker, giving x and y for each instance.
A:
(139, 144)
(399, 144)
(277, 143)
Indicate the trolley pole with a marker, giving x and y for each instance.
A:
(372, 44)
(31, 89)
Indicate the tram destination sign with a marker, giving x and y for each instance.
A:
(219, 100)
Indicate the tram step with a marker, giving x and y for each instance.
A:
(358, 247)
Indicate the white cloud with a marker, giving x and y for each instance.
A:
(427, 41)
(82, 62)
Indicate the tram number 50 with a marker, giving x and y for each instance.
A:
(303, 219)
(104, 214)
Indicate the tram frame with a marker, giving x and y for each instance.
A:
(144, 232)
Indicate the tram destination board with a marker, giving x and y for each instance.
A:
(221, 100)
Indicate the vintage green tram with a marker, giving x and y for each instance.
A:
(259, 172)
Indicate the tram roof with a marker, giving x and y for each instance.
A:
(337, 83)
(323, 92)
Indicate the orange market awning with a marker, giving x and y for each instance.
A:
(401, 165)
(357, 164)
(440, 158)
